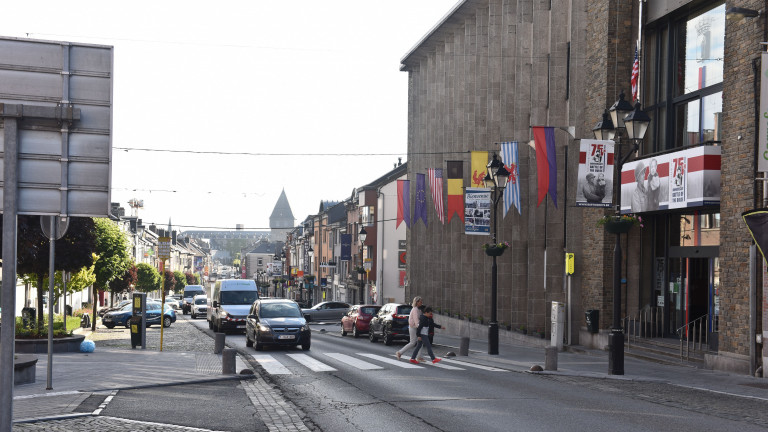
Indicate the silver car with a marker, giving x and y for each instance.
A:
(326, 312)
(199, 306)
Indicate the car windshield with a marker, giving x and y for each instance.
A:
(368, 310)
(126, 307)
(189, 294)
(279, 310)
(238, 297)
(201, 301)
(404, 310)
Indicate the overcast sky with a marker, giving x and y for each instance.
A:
(281, 89)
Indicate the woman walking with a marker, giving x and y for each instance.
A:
(413, 324)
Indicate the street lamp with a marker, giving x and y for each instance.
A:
(362, 235)
(496, 180)
(310, 253)
(635, 121)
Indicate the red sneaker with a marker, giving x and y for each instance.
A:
(437, 360)
(414, 361)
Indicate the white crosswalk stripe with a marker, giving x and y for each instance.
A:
(473, 365)
(393, 362)
(311, 363)
(442, 365)
(353, 361)
(272, 366)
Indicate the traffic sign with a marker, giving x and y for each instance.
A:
(163, 248)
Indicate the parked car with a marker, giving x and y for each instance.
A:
(122, 317)
(276, 322)
(358, 319)
(106, 309)
(326, 311)
(172, 302)
(199, 306)
(391, 322)
(190, 291)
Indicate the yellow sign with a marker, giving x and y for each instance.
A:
(569, 263)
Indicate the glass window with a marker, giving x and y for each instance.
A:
(702, 58)
(687, 127)
(711, 112)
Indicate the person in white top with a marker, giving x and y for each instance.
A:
(413, 324)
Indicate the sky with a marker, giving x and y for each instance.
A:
(219, 107)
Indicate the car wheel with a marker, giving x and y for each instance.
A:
(387, 337)
(166, 321)
(372, 335)
(109, 326)
(355, 333)
(343, 332)
(248, 341)
(305, 346)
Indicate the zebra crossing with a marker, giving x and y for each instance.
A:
(278, 363)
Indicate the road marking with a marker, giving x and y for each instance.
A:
(442, 365)
(272, 366)
(403, 364)
(311, 363)
(353, 361)
(488, 368)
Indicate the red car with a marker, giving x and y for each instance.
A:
(358, 319)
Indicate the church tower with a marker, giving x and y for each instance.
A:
(281, 221)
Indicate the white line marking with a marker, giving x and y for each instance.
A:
(442, 365)
(488, 368)
(272, 366)
(403, 364)
(311, 363)
(353, 361)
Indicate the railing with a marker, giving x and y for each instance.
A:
(694, 332)
(647, 323)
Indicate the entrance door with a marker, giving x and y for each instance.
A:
(692, 286)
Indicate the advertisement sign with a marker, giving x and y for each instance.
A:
(762, 135)
(477, 211)
(682, 179)
(595, 185)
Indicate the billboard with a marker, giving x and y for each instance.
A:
(62, 95)
(595, 185)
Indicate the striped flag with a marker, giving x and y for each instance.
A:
(511, 160)
(546, 162)
(455, 190)
(635, 76)
(403, 203)
(436, 183)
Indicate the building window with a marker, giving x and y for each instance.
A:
(684, 57)
(366, 215)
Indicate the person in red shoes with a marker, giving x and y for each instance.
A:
(426, 325)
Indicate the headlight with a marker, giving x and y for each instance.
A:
(264, 328)
(224, 314)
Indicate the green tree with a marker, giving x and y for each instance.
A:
(170, 281)
(181, 281)
(191, 278)
(112, 249)
(147, 278)
(124, 282)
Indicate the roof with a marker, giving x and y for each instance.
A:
(282, 210)
(439, 32)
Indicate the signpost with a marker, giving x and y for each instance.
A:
(163, 252)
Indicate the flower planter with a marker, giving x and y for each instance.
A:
(40, 346)
(494, 251)
(618, 226)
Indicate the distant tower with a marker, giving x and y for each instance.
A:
(281, 221)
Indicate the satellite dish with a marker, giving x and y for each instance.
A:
(60, 225)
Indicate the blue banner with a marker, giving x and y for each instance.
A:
(346, 247)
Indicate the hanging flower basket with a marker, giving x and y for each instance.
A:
(620, 224)
(495, 249)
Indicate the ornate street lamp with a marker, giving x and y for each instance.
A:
(362, 235)
(604, 129)
(495, 179)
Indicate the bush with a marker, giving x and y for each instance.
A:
(23, 332)
(79, 312)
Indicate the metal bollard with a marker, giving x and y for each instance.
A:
(550, 358)
(219, 342)
(228, 361)
(464, 347)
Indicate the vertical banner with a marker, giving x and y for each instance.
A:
(455, 190)
(403, 203)
(420, 210)
(546, 162)
(595, 185)
(762, 135)
(479, 163)
(346, 247)
(477, 211)
(436, 183)
(511, 158)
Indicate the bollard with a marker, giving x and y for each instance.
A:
(219, 342)
(464, 347)
(550, 358)
(228, 361)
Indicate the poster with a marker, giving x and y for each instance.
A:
(595, 185)
(477, 211)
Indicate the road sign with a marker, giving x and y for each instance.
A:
(569, 263)
(163, 248)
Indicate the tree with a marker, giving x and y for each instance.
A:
(147, 278)
(170, 281)
(191, 278)
(112, 249)
(181, 281)
(124, 282)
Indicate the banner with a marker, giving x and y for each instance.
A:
(511, 158)
(683, 179)
(762, 135)
(477, 211)
(479, 162)
(420, 209)
(346, 247)
(595, 185)
(403, 203)
(546, 162)
(455, 190)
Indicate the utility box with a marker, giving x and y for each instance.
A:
(138, 322)
(558, 324)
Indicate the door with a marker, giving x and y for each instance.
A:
(692, 289)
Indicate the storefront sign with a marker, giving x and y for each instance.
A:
(762, 153)
(595, 186)
(683, 179)
(477, 211)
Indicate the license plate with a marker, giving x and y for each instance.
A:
(286, 337)
(240, 326)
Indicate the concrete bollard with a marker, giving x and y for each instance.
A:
(464, 347)
(219, 342)
(228, 361)
(550, 358)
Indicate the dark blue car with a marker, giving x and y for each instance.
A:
(122, 317)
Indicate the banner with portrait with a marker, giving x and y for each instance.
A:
(682, 179)
(595, 185)
(477, 211)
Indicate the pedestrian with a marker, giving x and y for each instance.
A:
(413, 324)
(426, 325)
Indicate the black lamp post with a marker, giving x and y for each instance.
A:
(635, 121)
(362, 236)
(495, 179)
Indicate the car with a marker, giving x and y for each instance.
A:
(326, 311)
(190, 291)
(276, 322)
(231, 299)
(172, 302)
(122, 317)
(106, 309)
(391, 322)
(358, 319)
(199, 306)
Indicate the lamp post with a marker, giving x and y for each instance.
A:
(635, 122)
(496, 180)
(311, 299)
(362, 236)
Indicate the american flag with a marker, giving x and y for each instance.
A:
(635, 76)
(436, 183)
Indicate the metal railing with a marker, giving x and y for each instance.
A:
(693, 333)
(647, 323)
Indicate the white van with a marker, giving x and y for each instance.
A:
(229, 303)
